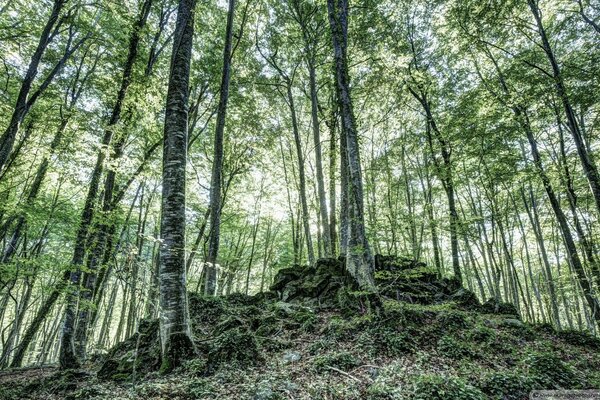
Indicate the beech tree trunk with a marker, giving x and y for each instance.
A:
(217, 168)
(176, 338)
(359, 260)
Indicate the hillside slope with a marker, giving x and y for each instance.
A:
(315, 337)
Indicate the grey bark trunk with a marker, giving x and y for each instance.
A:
(217, 168)
(359, 260)
(175, 328)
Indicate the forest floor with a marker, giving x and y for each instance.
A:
(314, 337)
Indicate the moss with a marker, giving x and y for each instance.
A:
(506, 385)
(352, 302)
(179, 348)
(481, 334)
(437, 387)
(342, 360)
(453, 320)
(492, 306)
(237, 347)
(141, 352)
(465, 299)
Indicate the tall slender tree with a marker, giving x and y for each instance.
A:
(176, 337)
(359, 260)
(217, 168)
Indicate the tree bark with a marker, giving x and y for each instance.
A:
(359, 260)
(175, 327)
(217, 168)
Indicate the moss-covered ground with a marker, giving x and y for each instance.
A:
(432, 342)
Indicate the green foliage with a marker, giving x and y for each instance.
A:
(453, 348)
(438, 387)
(506, 385)
(548, 371)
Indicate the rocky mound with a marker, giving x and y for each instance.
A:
(314, 337)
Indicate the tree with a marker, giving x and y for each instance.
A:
(217, 169)
(359, 261)
(176, 339)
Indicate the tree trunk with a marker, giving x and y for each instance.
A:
(359, 260)
(175, 328)
(302, 176)
(217, 168)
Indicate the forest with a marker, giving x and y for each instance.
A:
(299, 199)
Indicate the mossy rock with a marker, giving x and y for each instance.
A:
(236, 347)
(455, 349)
(466, 299)
(492, 306)
(392, 263)
(481, 334)
(285, 276)
(578, 338)
(207, 310)
(548, 371)
(331, 266)
(386, 341)
(140, 353)
(453, 320)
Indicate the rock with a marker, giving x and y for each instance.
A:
(285, 276)
(513, 322)
(465, 298)
(141, 352)
(291, 356)
(492, 306)
(330, 266)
